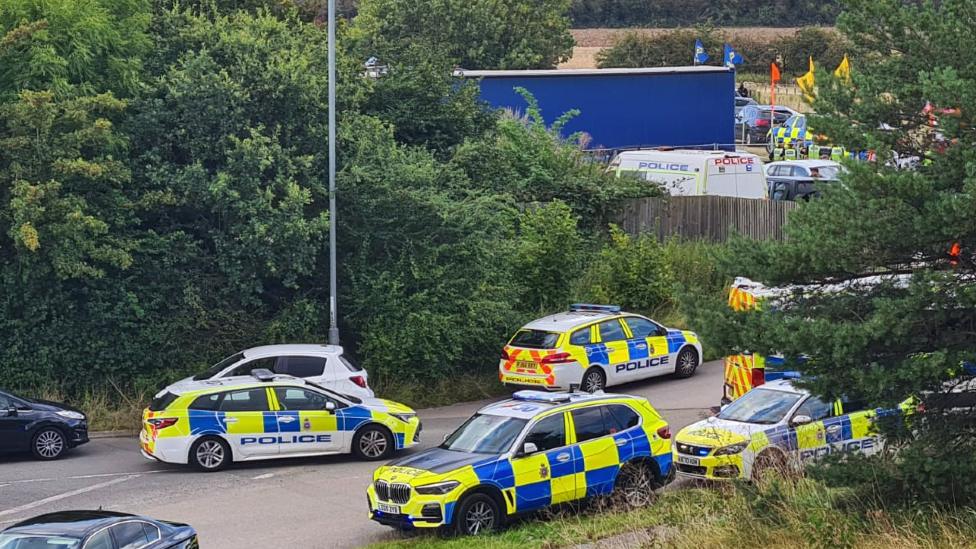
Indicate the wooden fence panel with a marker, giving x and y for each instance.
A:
(712, 218)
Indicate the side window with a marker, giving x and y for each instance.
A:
(854, 405)
(152, 532)
(611, 330)
(589, 423)
(300, 366)
(622, 417)
(256, 364)
(800, 171)
(295, 398)
(580, 337)
(549, 433)
(350, 365)
(130, 535)
(4, 403)
(815, 408)
(209, 403)
(101, 540)
(641, 327)
(249, 400)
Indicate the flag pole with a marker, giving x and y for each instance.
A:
(772, 109)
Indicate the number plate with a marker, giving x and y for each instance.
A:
(525, 364)
(688, 460)
(387, 508)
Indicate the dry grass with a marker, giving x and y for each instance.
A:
(108, 410)
(604, 37)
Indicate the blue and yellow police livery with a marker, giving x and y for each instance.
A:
(775, 426)
(212, 423)
(596, 346)
(524, 454)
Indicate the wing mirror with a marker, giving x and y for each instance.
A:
(801, 420)
(11, 411)
(330, 406)
(529, 448)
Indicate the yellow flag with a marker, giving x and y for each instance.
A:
(843, 71)
(807, 83)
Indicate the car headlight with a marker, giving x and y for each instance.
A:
(70, 415)
(731, 449)
(404, 417)
(438, 488)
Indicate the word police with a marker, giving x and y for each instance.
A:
(864, 444)
(641, 364)
(294, 439)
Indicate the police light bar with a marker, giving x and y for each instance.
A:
(263, 374)
(541, 396)
(587, 307)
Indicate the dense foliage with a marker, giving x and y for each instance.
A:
(910, 333)
(791, 53)
(163, 198)
(670, 13)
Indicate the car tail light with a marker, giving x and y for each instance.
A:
(359, 380)
(505, 355)
(664, 432)
(762, 122)
(558, 358)
(758, 377)
(163, 422)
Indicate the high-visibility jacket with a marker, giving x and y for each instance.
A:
(790, 154)
(814, 151)
(778, 154)
(837, 154)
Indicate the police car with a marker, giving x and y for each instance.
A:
(775, 426)
(524, 454)
(211, 423)
(596, 346)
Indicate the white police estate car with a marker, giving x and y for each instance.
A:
(211, 423)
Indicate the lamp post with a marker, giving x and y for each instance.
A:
(333, 304)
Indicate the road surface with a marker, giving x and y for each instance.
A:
(307, 502)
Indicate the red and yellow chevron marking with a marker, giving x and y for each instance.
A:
(527, 361)
(741, 300)
(738, 374)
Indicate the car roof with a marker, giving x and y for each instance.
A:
(807, 163)
(300, 349)
(783, 386)
(534, 403)
(70, 523)
(562, 322)
(234, 382)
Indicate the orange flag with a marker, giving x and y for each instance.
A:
(774, 72)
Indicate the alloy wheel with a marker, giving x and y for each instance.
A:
(210, 454)
(49, 444)
(593, 382)
(372, 444)
(480, 518)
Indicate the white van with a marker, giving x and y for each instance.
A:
(693, 172)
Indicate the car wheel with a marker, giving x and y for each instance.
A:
(372, 443)
(210, 454)
(49, 444)
(477, 514)
(593, 380)
(635, 485)
(687, 362)
(768, 463)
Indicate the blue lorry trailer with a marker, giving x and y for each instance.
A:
(686, 107)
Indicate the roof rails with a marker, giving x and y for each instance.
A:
(262, 374)
(541, 396)
(588, 307)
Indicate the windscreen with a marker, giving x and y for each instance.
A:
(762, 406)
(216, 368)
(161, 402)
(37, 541)
(535, 339)
(485, 434)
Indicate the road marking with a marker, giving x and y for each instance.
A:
(262, 477)
(82, 477)
(45, 501)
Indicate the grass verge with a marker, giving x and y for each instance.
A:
(803, 513)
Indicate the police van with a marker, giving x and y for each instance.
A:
(695, 173)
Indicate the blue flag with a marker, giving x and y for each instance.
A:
(700, 56)
(731, 57)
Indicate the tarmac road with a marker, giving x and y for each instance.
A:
(295, 503)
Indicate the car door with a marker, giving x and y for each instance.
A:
(616, 353)
(251, 425)
(813, 437)
(15, 418)
(548, 475)
(305, 422)
(857, 429)
(648, 349)
(597, 459)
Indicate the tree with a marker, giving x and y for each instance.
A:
(490, 34)
(910, 333)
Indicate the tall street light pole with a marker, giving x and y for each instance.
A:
(333, 304)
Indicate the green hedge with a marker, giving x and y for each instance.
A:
(672, 13)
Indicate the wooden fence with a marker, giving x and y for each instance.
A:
(712, 218)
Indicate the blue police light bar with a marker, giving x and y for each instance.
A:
(588, 307)
(541, 396)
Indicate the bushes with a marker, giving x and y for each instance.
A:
(670, 13)
(675, 48)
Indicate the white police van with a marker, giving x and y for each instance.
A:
(695, 173)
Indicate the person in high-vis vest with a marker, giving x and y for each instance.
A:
(814, 151)
(778, 151)
(837, 154)
(790, 152)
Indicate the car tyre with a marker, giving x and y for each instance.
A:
(688, 363)
(767, 463)
(49, 444)
(635, 485)
(593, 380)
(477, 514)
(210, 454)
(373, 443)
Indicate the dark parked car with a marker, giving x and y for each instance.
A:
(97, 530)
(742, 102)
(800, 179)
(46, 429)
(752, 122)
